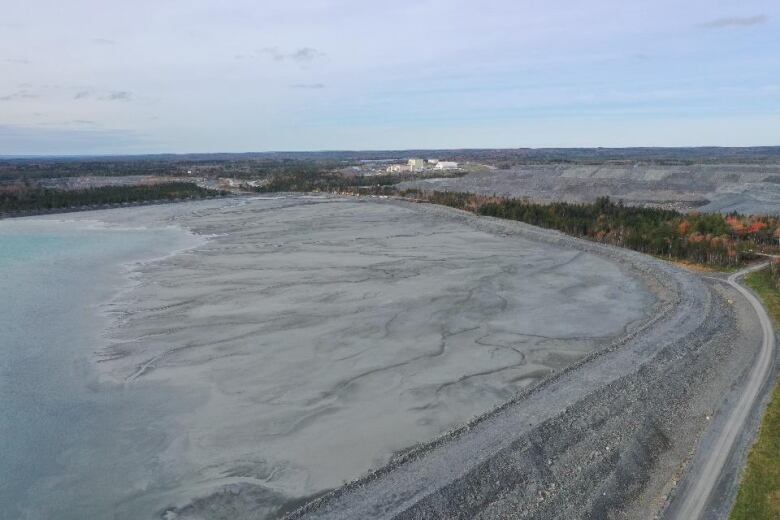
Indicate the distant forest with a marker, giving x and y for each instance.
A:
(713, 239)
(17, 198)
(313, 180)
(261, 165)
(164, 166)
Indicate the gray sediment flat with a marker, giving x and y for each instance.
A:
(303, 341)
(609, 437)
(324, 335)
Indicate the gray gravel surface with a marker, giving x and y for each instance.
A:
(747, 188)
(607, 438)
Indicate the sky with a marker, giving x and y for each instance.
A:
(154, 76)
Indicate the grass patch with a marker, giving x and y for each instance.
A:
(759, 492)
(764, 285)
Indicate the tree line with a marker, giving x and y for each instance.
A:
(25, 198)
(303, 180)
(704, 238)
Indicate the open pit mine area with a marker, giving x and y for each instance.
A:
(749, 188)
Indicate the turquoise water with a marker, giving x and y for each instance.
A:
(25, 247)
(72, 447)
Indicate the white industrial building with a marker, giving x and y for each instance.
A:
(398, 168)
(446, 165)
(416, 165)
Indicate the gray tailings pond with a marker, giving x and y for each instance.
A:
(297, 343)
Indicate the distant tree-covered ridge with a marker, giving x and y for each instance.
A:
(313, 180)
(20, 197)
(705, 238)
(162, 166)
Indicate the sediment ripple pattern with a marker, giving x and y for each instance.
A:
(330, 334)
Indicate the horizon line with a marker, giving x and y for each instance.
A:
(384, 150)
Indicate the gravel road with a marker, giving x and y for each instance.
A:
(607, 438)
(693, 501)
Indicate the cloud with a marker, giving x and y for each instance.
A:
(19, 94)
(113, 95)
(309, 86)
(736, 21)
(305, 55)
(118, 95)
(274, 53)
(302, 56)
(103, 41)
(17, 61)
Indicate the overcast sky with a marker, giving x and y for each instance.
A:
(110, 76)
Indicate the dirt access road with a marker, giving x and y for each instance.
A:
(693, 500)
